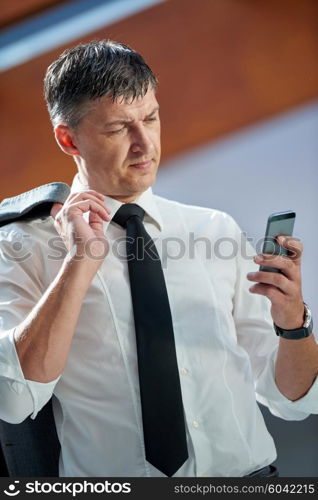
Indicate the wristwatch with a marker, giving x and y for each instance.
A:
(298, 333)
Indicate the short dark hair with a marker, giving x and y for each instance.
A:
(92, 70)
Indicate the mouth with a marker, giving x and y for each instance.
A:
(141, 166)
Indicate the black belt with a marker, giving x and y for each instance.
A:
(268, 471)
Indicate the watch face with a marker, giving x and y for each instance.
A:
(308, 317)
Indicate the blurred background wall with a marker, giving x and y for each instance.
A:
(239, 109)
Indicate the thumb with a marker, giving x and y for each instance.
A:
(56, 207)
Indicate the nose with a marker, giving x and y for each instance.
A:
(141, 141)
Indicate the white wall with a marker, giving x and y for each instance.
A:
(267, 168)
(264, 169)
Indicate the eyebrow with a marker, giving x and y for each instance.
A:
(125, 122)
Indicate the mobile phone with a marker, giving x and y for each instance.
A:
(278, 224)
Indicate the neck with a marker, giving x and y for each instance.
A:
(122, 198)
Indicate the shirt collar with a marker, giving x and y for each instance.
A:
(146, 201)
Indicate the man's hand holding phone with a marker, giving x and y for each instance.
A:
(279, 277)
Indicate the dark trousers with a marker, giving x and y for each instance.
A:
(31, 449)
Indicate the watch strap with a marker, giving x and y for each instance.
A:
(298, 333)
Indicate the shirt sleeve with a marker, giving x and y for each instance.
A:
(21, 287)
(256, 334)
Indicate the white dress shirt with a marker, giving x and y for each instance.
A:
(225, 342)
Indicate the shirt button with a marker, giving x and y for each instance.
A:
(184, 371)
(195, 424)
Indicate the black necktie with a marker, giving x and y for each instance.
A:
(160, 392)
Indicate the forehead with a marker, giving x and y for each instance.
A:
(120, 109)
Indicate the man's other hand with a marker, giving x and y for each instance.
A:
(283, 289)
(83, 239)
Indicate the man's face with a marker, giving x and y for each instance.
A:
(119, 146)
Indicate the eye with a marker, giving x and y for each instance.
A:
(113, 132)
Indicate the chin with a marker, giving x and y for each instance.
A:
(148, 182)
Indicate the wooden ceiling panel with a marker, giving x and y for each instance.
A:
(13, 11)
(222, 65)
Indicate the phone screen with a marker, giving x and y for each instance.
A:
(278, 224)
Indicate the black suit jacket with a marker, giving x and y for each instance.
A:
(31, 449)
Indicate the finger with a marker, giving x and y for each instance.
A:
(56, 207)
(275, 279)
(269, 291)
(87, 191)
(88, 205)
(282, 262)
(293, 245)
(95, 221)
(89, 194)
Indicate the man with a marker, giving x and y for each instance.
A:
(69, 322)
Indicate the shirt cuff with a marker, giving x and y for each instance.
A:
(269, 395)
(41, 393)
(11, 370)
(10, 367)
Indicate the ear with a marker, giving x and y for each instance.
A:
(64, 138)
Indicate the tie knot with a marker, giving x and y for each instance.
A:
(126, 211)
